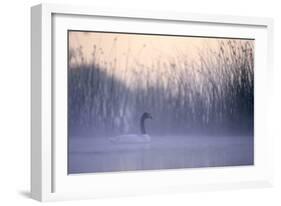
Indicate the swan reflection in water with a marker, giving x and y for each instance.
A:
(143, 137)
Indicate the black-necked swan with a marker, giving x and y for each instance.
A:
(143, 137)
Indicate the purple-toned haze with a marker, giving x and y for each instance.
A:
(199, 92)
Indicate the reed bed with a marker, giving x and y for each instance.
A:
(213, 96)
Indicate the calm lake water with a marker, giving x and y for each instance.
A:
(90, 155)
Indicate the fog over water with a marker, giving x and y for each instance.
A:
(199, 92)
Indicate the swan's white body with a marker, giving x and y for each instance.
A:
(135, 138)
(131, 138)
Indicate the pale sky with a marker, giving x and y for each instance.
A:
(145, 48)
(134, 54)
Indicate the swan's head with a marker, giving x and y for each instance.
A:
(146, 115)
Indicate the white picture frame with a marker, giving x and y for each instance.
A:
(49, 179)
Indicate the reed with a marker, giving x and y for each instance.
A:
(214, 95)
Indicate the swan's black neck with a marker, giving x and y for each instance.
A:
(143, 131)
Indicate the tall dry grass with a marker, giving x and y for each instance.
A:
(214, 95)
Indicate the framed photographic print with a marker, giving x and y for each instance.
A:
(137, 102)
